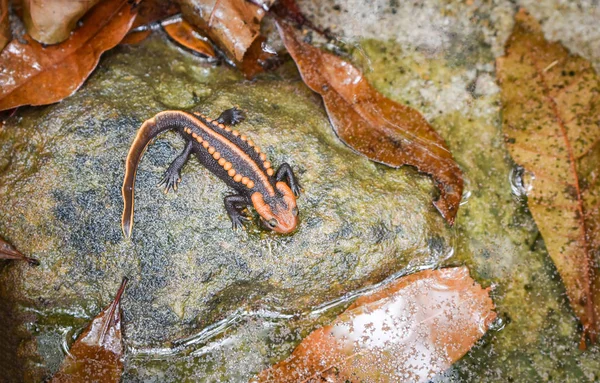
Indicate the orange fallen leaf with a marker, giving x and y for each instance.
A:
(51, 22)
(7, 251)
(373, 125)
(407, 332)
(5, 34)
(96, 355)
(551, 106)
(34, 75)
(186, 35)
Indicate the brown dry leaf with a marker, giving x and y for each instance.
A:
(34, 75)
(408, 332)
(96, 355)
(51, 22)
(5, 34)
(231, 24)
(188, 36)
(551, 118)
(374, 125)
(7, 251)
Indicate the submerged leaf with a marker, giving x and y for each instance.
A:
(551, 118)
(4, 24)
(407, 332)
(51, 22)
(7, 251)
(96, 355)
(373, 125)
(34, 75)
(187, 35)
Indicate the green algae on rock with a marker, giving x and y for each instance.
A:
(62, 169)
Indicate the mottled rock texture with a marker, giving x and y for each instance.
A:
(62, 170)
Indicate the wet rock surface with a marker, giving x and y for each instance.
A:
(61, 196)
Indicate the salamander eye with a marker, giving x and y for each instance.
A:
(295, 211)
(272, 223)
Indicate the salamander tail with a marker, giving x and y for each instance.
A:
(151, 128)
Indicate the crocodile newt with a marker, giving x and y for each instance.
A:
(231, 156)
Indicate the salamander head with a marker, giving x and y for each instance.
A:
(279, 213)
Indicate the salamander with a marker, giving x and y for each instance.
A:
(231, 156)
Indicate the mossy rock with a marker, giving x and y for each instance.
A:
(60, 201)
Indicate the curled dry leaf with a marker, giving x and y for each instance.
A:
(373, 125)
(33, 75)
(51, 22)
(407, 332)
(231, 24)
(551, 118)
(4, 24)
(7, 251)
(96, 355)
(185, 34)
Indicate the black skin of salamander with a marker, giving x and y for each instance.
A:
(234, 204)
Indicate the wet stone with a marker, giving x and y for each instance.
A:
(60, 202)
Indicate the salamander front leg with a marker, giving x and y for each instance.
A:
(173, 174)
(231, 116)
(233, 205)
(285, 171)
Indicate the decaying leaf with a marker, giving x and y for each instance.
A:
(551, 118)
(51, 22)
(407, 332)
(187, 35)
(231, 24)
(33, 75)
(4, 24)
(7, 251)
(96, 355)
(374, 125)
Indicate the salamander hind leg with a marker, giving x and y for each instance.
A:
(172, 176)
(231, 116)
(233, 204)
(285, 172)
